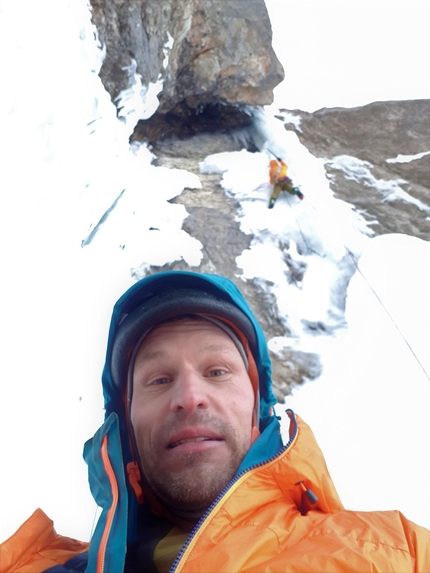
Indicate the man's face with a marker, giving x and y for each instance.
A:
(191, 411)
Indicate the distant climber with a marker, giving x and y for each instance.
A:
(281, 182)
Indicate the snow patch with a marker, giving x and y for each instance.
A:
(407, 158)
(167, 48)
(360, 171)
(137, 101)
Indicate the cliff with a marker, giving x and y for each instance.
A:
(216, 66)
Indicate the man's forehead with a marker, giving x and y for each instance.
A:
(157, 344)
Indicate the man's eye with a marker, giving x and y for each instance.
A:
(159, 381)
(216, 372)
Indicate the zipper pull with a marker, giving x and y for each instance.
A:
(309, 494)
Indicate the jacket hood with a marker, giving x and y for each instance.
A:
(222, 291)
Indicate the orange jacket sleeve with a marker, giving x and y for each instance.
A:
(36, 546)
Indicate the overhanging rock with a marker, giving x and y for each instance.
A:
(207, 52)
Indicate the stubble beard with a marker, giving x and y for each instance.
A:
(200, 479)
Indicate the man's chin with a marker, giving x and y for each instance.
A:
(193, 487)
(181, 501)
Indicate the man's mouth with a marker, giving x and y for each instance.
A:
(197, 439)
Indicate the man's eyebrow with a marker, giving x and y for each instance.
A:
(150, 355)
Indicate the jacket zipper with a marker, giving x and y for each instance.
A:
(195, 532)
(109, 519)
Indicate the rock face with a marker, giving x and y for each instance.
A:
(215, 58)
(375, 134)
(214, 54)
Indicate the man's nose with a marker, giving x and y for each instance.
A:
(189, 392)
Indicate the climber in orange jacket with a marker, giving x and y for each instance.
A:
(190, 469)
(279, 179)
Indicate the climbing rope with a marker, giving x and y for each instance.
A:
(378, 298)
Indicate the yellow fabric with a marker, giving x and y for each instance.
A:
(258, 527)
(36, 546)
(168, 548)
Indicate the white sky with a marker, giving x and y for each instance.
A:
(65, 159)
(351, 52)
